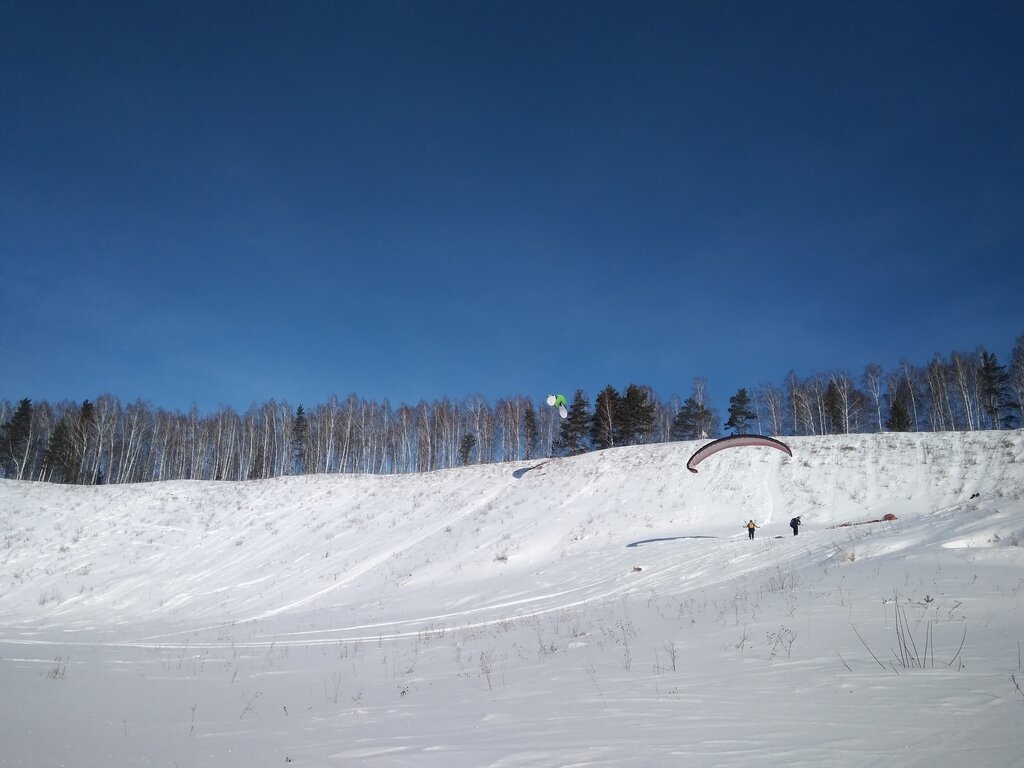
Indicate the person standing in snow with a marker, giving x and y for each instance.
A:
(795, 525)
(750, 528)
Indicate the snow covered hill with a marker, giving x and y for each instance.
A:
(600, 610)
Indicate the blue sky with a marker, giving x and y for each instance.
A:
(227, 203)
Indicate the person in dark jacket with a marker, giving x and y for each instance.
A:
(795, 525)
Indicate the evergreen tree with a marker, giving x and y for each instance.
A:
(531, 431)
(899, 417)
(740, 413)
(466, 446)
(571, 440)
(603, 422)
(634, 417)
(995, 393)
(695, 419)
(299, 439)
(15, 439)
(59, 456)
(691, 421)
(834, 409)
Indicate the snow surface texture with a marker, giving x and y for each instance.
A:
(603, 610)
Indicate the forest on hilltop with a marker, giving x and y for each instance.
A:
(106, 441)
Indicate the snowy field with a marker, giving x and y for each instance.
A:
(603, 610)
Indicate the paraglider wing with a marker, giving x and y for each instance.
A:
(734, 441)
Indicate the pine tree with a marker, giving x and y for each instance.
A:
(899, 417)
(995, 393)
(571, 440)
(695, 419)
(300, 436)
(634, 417)
(57, 461)
(740, 413)
(466, 446)
(691, 421)
(834, 409)
(602, 423)
(15, 440)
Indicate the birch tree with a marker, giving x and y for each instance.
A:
(910, 379)
(664, 413)
(424, 438)
(85, 443)
(847, 403)
(965, 373)
(405, 439)
(1016, 373)
(773, 406)
(508, 429)
(136, 434)
(800, 406)
(484, 423)
(602, 422)
(872, 381)
(941, 408)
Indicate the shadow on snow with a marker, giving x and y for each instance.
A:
(520, 472)
(667, 538)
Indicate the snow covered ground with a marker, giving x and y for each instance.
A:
(603, 610)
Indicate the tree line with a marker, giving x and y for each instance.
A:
(106, 441)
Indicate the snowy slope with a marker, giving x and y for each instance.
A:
(599, 610)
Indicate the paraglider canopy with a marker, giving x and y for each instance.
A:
(734, 441)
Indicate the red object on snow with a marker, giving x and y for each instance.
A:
(886, 518)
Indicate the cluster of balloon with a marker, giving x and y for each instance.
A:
(559, 402)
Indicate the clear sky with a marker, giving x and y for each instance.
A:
(224, 203)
